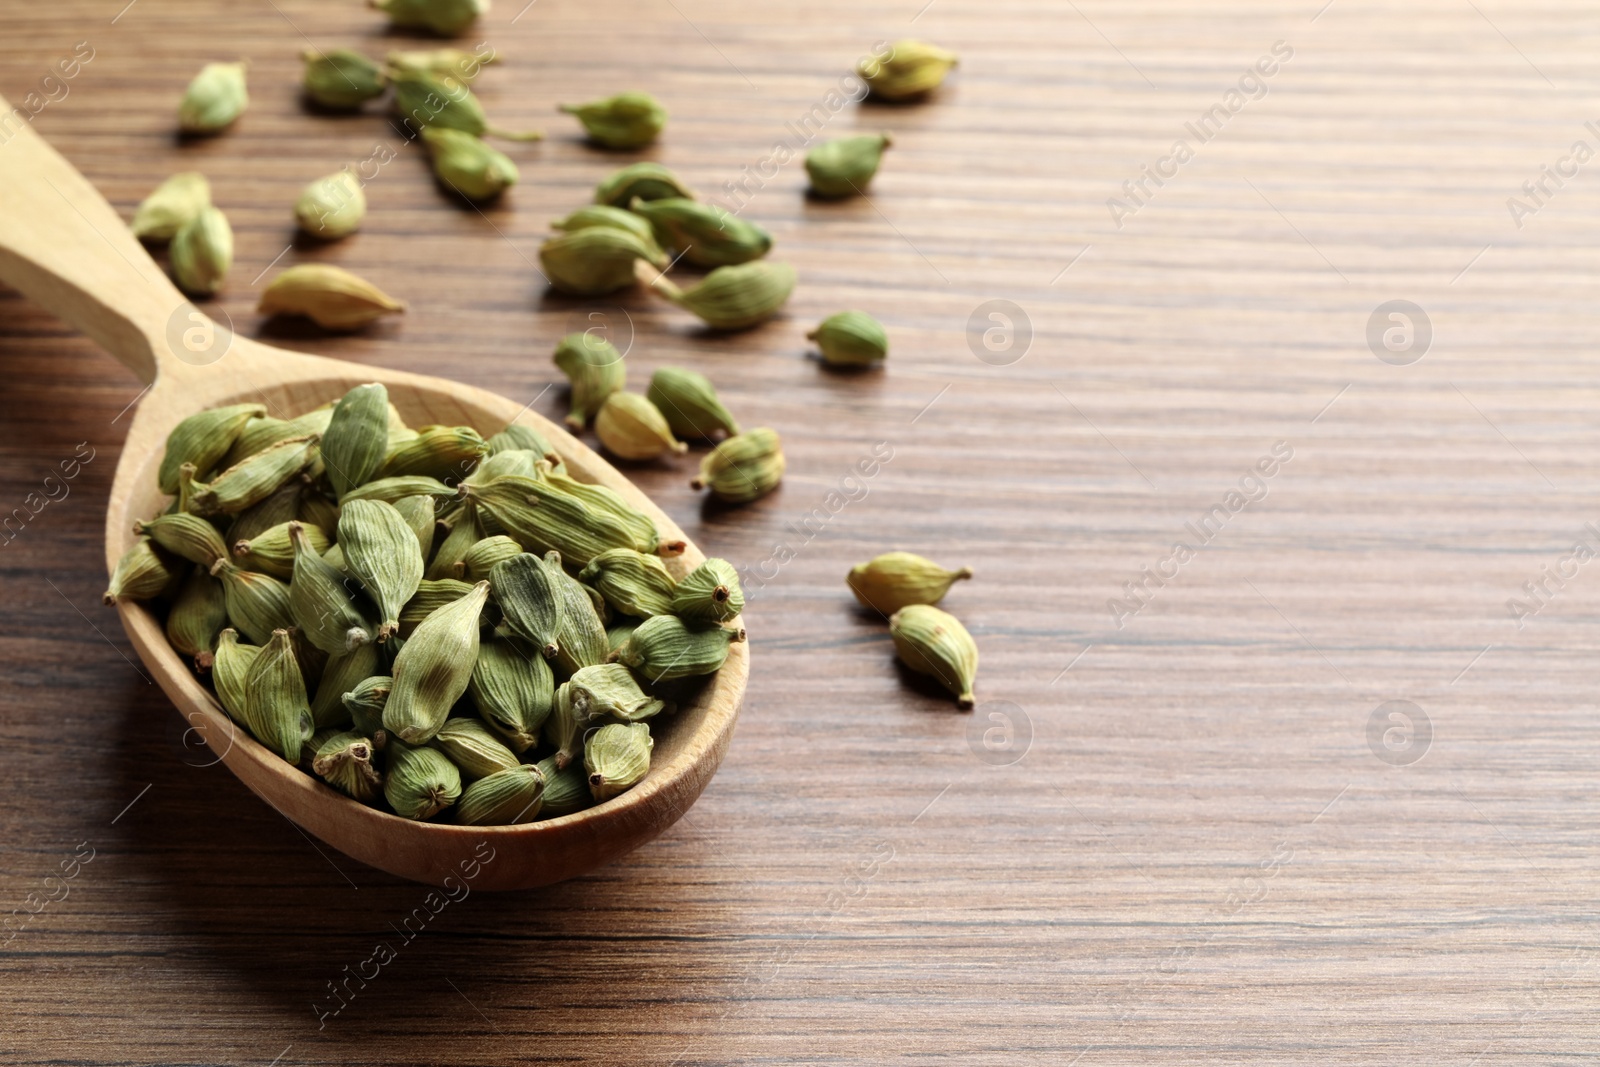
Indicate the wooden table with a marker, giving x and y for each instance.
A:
(1205, 839)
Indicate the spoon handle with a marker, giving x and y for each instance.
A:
(67, 250)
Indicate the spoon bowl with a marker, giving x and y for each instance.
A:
(65, 248)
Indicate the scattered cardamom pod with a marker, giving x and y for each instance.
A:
(443, 452)
(845, 166)
(596, 260)
(330, 608)
(708, 236)
(203, 439)
(594, 367)
(443, 62)
(185, 535)
(433, 669)
(214, 98)
(429, 100)
(344, 672)
(467, 164)
(617, 757)
(342, 79)
(743, 467)
(140, 574)
(733, 298)
(276, 709)
(633, 428)
(365, 701)
(689, 402)
(609, 217)
(421, 782)
(332, 207)
(230, 670)
(258, 604)
(664, 647)
(344, 761)
(173, 203)
(609, 691)
(514, 691)
(382, 551)
(504, 798)
(476, 752)
(444, 17)
(634, 583)
(851, 339)
(199, 614)
(272, 550)
(912, 69)
(255, 478)
(896, 580)
(934, 643)
(329, 296)
(643, 181)
(627, 120)
(566, 790)
(201, 253)
(710, 593)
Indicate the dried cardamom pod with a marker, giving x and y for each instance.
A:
(563, 729)
(443, 62)
(627, 120)
(912, 69)
(513, 690)
(199, 614)
(845, 166)
(709, 593)
(342, 79)
(609, 691)
(664, 647)
(201, 253)
(185, 535)
(896, 580)
(519, 438)
(381, 550)
(743, 467)
(394, 490)
(263, 432)
(633, 428)
(466, 164)
(281, 507)
(531, 597)
(427, 100)
(580, 632)
(344, 761)
(644, 181)
(203, 439)
(276, 708)
(465, 530)
(566, 790)
(419, 514)
(642, 532)
(214, 98)
(445, 17)
(173, 203)
(689, 402)
(230, 669)
(357, 438)
(482, 557)
(633, 583)
(329, 296)
(504, 798)
(476, 752)
(272, 550)
(617, 757)
(851, 339)
(433, 669)
(254, 478)
(542, 519)
(618, 633)
(330, 608)
(934, 643)
(258, 604)
(332, 207)
(522, 463)
(733, 298)
(708, 236)
(594, 367)
(605, 215)
(421, 782)
(344, 672)
(596, 260)
(142, 572)
(443, 452)
(365, 700)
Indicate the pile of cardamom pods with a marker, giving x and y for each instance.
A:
(429, 621)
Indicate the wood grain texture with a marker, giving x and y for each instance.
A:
(1199, 858)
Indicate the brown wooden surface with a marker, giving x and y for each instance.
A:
(1199, 859)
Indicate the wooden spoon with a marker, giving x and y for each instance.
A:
(65, 248)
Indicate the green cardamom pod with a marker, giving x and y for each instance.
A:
(896, 580)
(199, 614)
(580, 632)
(344, 761)
(447, 453)
(425, 100)
(564, 729)
(329, 607)
(605, 215)
(617, 633)
(173, 203)
(644, 181)
(594, 367)
(641, 530)
(617, 757)
(255, 478)
(465, 530)
(689, 402)
(543, 519)
(851, 339)
(709, 593)
(912, 69)
(445, 17)
(276, 708)
(344, 672)
(506, 797)
(519, 438)
(844, 167)
(513, 690)
(433, 669)
(519, 462)
(230, 669)
(566, 790)
(394, 490)
(419, 514)
(214, 98)
(202, 253)
(482, 557)
(258, 604)
(332, 207)
(466, 164)
(633, 583)
(185, 535)
(444, 62)
(421, 782)
(627, 120)
(596, 261)
(365, 701)
(708, 236)
(272, 550)
(631, 427)
(278, 509)
(476, 752)
(341, 79)
(142, 572)
(531, 597)
(381, 550)
(934, 643)
(329, 296)
(664, 648)
(357, 438)
(203, 439)
(733, 298)
(743, 467)
(609, 691)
